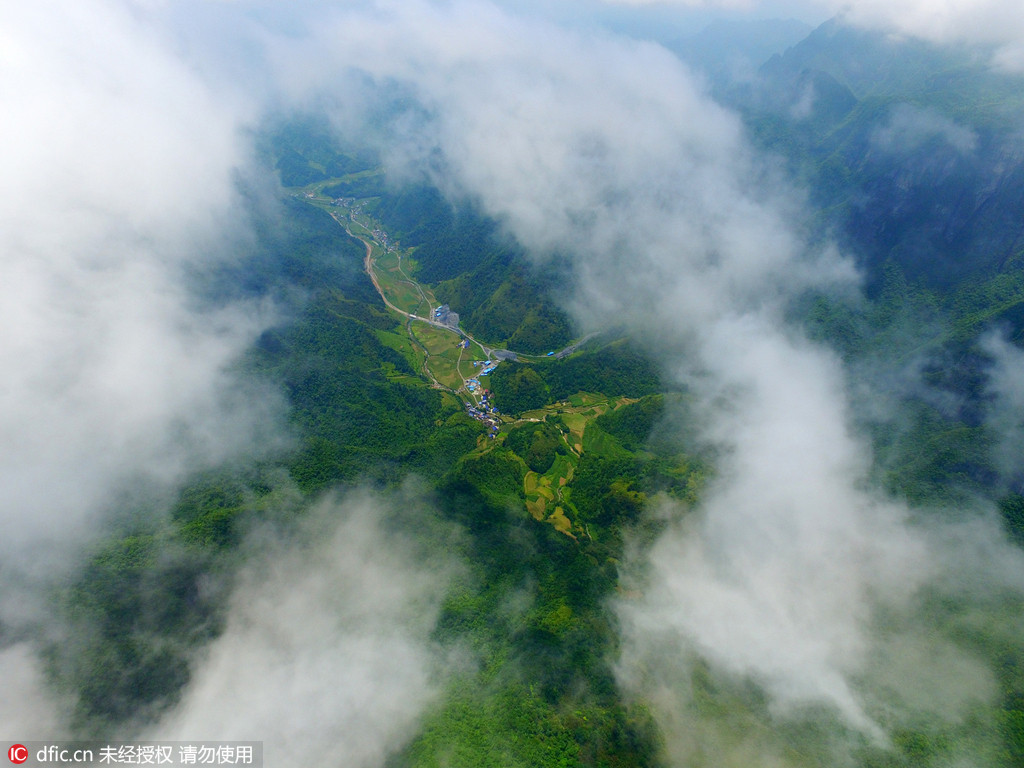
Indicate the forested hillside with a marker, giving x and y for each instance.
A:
(360, 412)
(731, 475)
(911, 150)
(913, 160)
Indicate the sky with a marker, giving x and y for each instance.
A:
(134, 122)
(993, 22)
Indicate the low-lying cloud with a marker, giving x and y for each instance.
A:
(777, 574)
(29, 710)
(114, 185)
(327, 654)
(999, 23)
(909, 128)
(601, 149)
(1006, 415)
(119, 178)
(608, 151)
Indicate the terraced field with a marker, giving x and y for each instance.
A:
(440, 353)
(548, 494)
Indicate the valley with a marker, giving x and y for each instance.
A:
(312, 447)
(457, 363)
(450, 357)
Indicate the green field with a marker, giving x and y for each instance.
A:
(435, 347)
(402, 344)
(400, 290)
(547, 493)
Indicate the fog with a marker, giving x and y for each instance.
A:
(326, 656)
(908, 128)
(113, 372)
(603, 149)
(28, 709)
(118, 381)
(123, 169)
(1006, 387)
(608, 151)
(999, 23)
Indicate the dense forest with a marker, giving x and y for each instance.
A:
(593, 446)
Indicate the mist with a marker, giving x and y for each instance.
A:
(119, 381)
(28, 707)
(1006, 387)
(609, 151)
(794, 573)
(998, 24)
(114, 371)
(909, 128)
(327, 656)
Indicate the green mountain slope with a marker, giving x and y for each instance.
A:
(911, 151)
(547, 508)
(500, 295)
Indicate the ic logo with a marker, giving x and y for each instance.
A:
(17, 754)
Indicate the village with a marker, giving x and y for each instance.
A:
(406, 296)
(485, 413)
(483, 409)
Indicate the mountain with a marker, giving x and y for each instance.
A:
(912, 151)
(732, 51)
(527, 488)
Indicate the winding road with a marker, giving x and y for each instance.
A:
(368, 266)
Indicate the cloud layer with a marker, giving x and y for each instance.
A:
(326, 656)
(119, 175)
(607, 150)
(602, 149)
(119, 178)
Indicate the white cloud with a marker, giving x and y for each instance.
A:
(607, 151)
(28, 710)
(326, 656)
(119, 168)
(582, 144)
(973, 21)
(1006, 414)
(908, 128)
